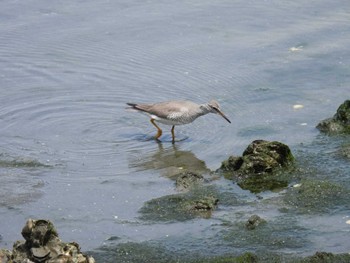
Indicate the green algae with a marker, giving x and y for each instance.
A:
(339, 123)
(149, 252)
(11, 162)
(199, 202)
(316, 196)
(282, 232)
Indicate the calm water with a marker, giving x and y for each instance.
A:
(71, 153)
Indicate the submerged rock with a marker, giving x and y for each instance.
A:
(187, 180)
(325, 257)
(254, 221)
(314, 196)
(339, 123)
(344, 151)
(43, 245)
(198, 202)
(255, 170)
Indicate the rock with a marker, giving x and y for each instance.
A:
(316, 196)
(42, 245)
(260, 157)
(187, 180)
(339, 123)
(233, 163)
(255, 170)
(207, 203)
(38, 233)
(254, 221)
(5, 255)
(198, 202)
(344, 151)
(325, 257)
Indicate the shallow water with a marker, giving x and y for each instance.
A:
(69, 152)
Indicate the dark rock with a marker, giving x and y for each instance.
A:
(260, 157)
(254, 221)
(42, 245)
(343, 113)
(256, 169)
(232, 163)
(38, 232)
(339, 123)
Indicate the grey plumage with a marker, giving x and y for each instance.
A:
(177, 112)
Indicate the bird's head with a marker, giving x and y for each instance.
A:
(214, 107)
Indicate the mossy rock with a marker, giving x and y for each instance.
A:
(344, 151)
(339, 123)
(261, 183)
(260, 157)
(325, 257)
(247, 257)
(199, 202)
(314, 196)
(259, 167)
(254, 221)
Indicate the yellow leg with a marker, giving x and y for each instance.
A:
(173, 133)
(159, 131)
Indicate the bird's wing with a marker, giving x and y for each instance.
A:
(171, 108)
(164, 109)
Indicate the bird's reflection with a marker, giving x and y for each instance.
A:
(170, 161)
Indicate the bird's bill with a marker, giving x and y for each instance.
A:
(223, 115)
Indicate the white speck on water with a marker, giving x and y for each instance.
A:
(298, 106)
(296, 49)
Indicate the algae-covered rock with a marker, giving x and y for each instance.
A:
(344, 151)
(260, 157)
(325, 257)
(254, 221)
(264, 182)
(43, 245)
(187, 180)
(339, 123)
(199, 202)
(256, 169)
(317, 196)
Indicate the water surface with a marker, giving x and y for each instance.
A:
(69, 152)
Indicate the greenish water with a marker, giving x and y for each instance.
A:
(70, 153)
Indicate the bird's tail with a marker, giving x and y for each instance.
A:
(135, 107)
(131, 106)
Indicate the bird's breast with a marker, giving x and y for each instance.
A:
(175, 119)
